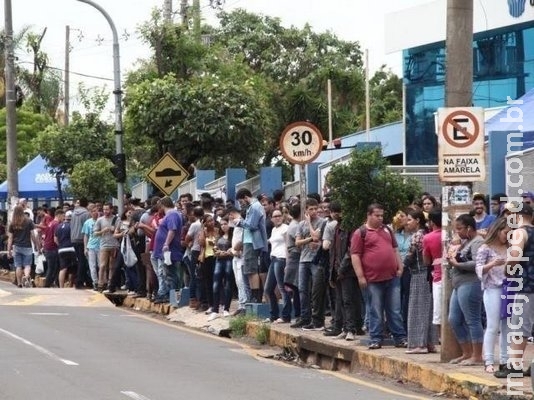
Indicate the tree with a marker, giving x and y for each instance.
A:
(92, 179)
(29, 126)
(366, 179)
(206, 120)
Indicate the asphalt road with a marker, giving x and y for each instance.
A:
(75, 345)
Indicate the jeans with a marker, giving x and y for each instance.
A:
(167, 278)
(52, 262)
(222, 274)
(465, 313)
(237, 266)
(92, 259)
(312, 307)
(275, 277)
(384, 297)
(348, 313)
(492, 304)
(192, 265)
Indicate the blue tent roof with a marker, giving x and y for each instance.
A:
(35, 182)
(511, 122)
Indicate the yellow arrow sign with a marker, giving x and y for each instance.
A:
(167, 174)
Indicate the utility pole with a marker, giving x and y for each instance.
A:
(167, 10)
(66, 94)
(183, 12)
(196, 20)
(11, 111)
(458, 93)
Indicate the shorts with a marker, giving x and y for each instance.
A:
(68, 260)
(22, 256)
(250, 259)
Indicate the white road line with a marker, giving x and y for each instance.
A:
(48, 313)
(38, 348)
(133, 395)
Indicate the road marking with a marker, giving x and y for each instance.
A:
(133, 395)
(48, 313)
(4, 293)
(29, 301)
(38, 348)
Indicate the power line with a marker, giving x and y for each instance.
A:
(71, 72)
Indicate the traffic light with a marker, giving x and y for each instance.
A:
(119, 168)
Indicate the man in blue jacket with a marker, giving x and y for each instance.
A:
(254, 239)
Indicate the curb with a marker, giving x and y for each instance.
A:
(351, 358)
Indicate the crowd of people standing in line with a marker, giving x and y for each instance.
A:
(376, 278)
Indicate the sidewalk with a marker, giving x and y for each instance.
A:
(313, 348)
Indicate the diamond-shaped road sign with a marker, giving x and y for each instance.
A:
(167, 174)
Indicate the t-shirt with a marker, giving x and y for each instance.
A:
(107, 240)
(432, 249)
(93, 242)
(377, 253)
(194, 232)
(22, 236)
(63, 236)
(171, 222)
(278, 242)
(330, 230)
(48, 236)
(309, 250)
(486, 222)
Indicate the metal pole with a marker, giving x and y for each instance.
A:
(118, 95)
(458, 93)
(11, 112)
(330, 131)
(66, 91)
(367, 98)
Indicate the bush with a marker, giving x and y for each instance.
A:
(262, 334)
(238, 325)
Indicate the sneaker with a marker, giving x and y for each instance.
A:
(26, 282)
(131, 293)
(402, 344)
(504, 372)
(350, 336)
(374, 346)
(313, 327)
(299, 323)
(213, 316)
(267, 321)
(331, 331)
(342, 335)
(226, 314)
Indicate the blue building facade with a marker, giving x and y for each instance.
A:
(503, 66)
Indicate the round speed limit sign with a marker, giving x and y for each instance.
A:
(301, 142)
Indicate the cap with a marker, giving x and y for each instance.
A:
(528, 194)
(68, 214)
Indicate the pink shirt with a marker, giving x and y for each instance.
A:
(432, 249)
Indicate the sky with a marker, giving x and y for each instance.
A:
(91, 38)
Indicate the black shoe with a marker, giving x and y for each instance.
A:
(360, 332)
(160, 301)
(299, 323)
(527, 372)
(331, 332)
(504, 372)
(402, 344)
(313, 327)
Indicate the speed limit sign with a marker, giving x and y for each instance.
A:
(301, 143)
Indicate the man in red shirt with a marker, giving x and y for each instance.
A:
(378, 267)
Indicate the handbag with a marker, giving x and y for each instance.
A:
(414, 261)
(128, 254)
(39, 264)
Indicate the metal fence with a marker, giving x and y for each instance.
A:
(252, 184)
(427, 175)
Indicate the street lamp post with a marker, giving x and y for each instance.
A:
(118, 96)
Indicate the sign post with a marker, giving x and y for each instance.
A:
(301, 143)
(461, 162)
(167, 174)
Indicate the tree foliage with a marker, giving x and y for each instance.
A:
(366, 179)
(93, 180)
(29, 126)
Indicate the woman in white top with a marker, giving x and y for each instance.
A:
(275, 275)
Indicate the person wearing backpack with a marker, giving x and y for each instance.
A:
(378, 267)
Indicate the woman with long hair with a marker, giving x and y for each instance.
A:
(466, 300)
(490, 268)
(207, 239)
(19, 245)
(422, 335)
